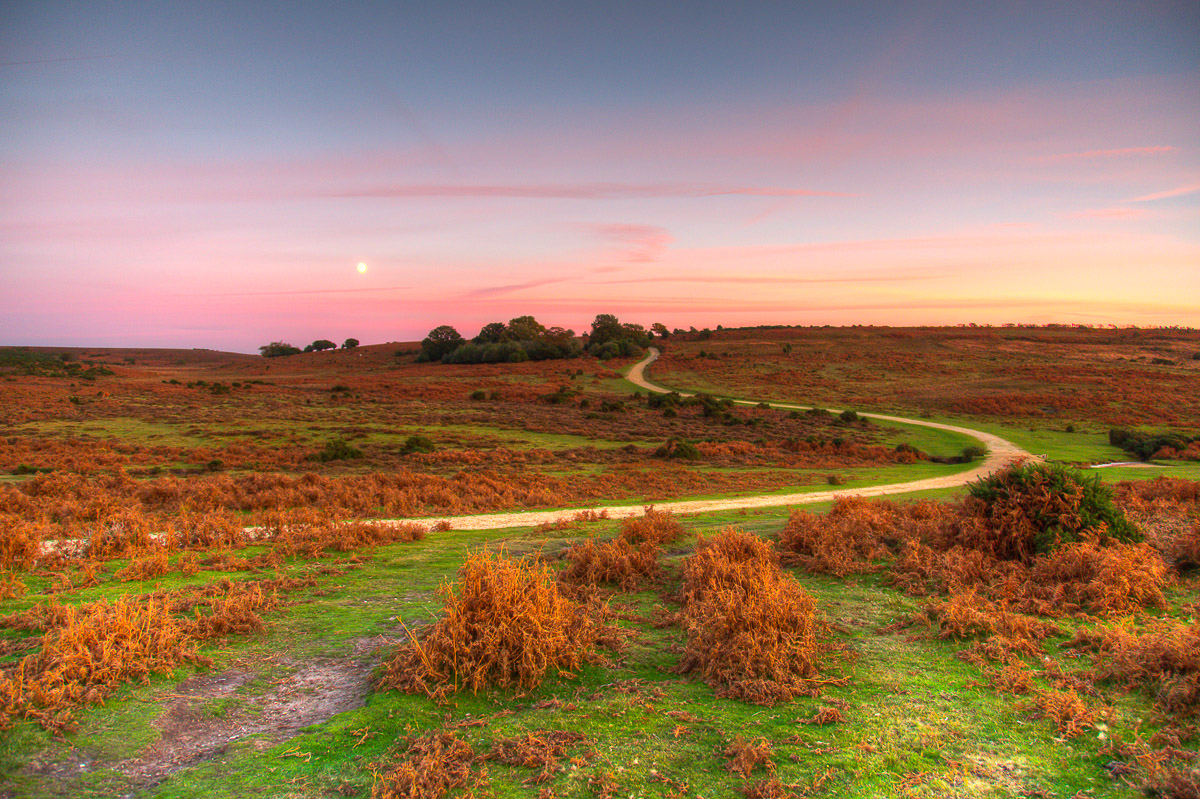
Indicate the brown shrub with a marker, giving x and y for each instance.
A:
(20, 541)
(617, 562)
(89, 650)
(654, 526)
(541, 750)
(743, 756)
(751, 631)
(826, 715)
(1117, 578)
(967, 615)
(1165, 660)
(309, 540)
(1068, 712)
(505, 624)
(731, 559)
(436, 764)
(148, 567)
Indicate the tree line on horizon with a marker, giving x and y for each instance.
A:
(277, 349)
(526, 339)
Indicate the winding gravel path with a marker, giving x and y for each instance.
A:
(1000, 453)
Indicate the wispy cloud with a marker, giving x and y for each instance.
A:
(311, 291)
(1163, 195)
(582, 191)
(1120, 152)
(638, 243)
(1107, 213)
(493, 291)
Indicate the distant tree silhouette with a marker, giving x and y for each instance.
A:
(277, 349)
(440, 342)
(320, 345)
(349, 343)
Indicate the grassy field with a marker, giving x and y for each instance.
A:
(284, 703)
(918, 719)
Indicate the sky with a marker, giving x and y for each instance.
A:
(211, 174)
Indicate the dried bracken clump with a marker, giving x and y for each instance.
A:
(505, 624)
(20, 541)
(770, 788)
(826, 715)
(435, 765)
(1118, 578)
(617, 562)
(309, 540)
(654, 526)
(1068, 712)
(147, 567)
(730, 560)
(751, 630)
(967, 615)
(89, 650)
(1165, 660)
(742, 756)
(542, 750)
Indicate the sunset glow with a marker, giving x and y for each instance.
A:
(182, 175)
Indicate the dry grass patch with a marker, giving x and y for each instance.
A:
(505, 625)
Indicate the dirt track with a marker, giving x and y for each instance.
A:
(1000, 453)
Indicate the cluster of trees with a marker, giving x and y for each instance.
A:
(526, 339)
(277, 349)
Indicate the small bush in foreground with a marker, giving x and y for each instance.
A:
(751, 630)
(654, 526)
(1034, 508)
(617, 562)
(505, 625)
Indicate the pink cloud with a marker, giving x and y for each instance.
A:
(1116, 153)
(638, 243)
(1162, 195)
(582, 191)
(1108, 213)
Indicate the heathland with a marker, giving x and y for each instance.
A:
(201, 595)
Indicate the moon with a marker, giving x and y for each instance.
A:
(361, 267)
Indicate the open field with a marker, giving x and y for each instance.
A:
(939, 658)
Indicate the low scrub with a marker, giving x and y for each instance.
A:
(751, 629)
(615, 562)
(505, 624)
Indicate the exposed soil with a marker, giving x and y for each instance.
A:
(196, 726)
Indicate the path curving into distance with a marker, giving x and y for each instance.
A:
(1000, 453)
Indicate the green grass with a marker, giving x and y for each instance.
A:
(913, 707)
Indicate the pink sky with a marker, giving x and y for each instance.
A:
(134, 212)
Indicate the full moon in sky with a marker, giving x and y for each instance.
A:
(361, 267)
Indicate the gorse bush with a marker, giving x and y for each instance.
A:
(337, 449)
(1034, 508)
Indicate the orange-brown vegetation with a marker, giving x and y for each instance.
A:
(1165, 661)
(1071, 716)
(751, 629)
(87, 650)
(1116, 377)
(505, 624)
(630, 559)
(742, 756)
(616, 562)
(435, 765)
(542, 750)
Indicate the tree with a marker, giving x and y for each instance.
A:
(492, 333)
(440, 342)
(660, 330)
(605, 328)
(277, 349)
(525, 328)
(322, 344)
(349, 343)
